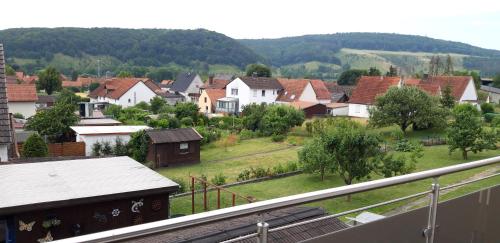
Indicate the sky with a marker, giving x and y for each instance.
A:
(474, 22)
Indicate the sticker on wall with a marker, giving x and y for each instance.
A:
(26, 226)
(101, 218)
(49, 223)
(137, 219)
(156, 205)
(136, 205)
(47, 238)
(115, 212)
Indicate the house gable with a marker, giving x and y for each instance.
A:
(308, 94)
(470, 92)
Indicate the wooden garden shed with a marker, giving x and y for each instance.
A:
(174, 146)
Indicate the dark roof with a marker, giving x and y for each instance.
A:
(5, 136)
(490, 89)
(46, 99)
(261, 83)
(182, 81)
(174, 135)
(72, 182)
(232, 228)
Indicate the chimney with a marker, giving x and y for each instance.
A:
(211, 79)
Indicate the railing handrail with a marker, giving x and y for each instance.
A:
(272, 204)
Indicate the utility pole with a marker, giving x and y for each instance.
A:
(98, 68)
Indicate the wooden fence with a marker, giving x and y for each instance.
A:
(62, 149)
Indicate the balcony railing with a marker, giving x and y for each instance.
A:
(262, 228)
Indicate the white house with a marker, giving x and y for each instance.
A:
(22, 99)
(493, 94)
(125, 91)
(187, 85)
(93, 134)
(243, 91)
(367, 89)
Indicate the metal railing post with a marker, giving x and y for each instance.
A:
(431, 222)
(262, 228)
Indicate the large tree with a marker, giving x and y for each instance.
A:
(278, 119)
(350, 77)
(466, 132)
(49, 80)
(447, 99)
(54, 122)
(258, 70)
(407, 106)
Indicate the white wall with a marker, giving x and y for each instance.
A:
(340, 111)
(90, 140)
(28, 109)
(138, 93)
(194, 87)
(358, 110)
(308, 94)
(243, 92)
(470, 92)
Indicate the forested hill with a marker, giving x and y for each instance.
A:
(139, 47)
(290, 50)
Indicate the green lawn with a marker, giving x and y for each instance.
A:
(216, 160)
(434, 157)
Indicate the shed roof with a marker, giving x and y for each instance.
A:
(261, 82)
(490, 89)
(174, 135)
(95, 130)
(72, 182)
(98, 121)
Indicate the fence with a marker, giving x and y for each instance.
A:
(62, 149)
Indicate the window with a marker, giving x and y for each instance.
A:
(263, 93)
(128, 100)
(255, 93)
(357, 108)
(273, 91)
(205, 99)
(184, 147)
(234, 91)
(206, 108)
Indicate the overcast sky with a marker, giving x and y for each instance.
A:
(475, 22)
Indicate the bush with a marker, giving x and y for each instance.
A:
(495, 122)
(138, 146)
(258, 172)
(183, 187)
(187, 121)
(278, 169)
(487, 108)
(35, 147)
(404, 145)
(209, 134)
(278, 137)
(18, 115)
(488, 117)
(246, 134)
(309, 127)
(244, 175)
(219, 179)
(96, 149)
(120, 148)
(291, 166)
(106, 148)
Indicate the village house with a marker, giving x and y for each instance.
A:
(187, 85)
(45, 101)
(369, 87)
(71, 84)
(91, 135)
(125, 91)
(22, 99)
(493, 94)
(304, 90)
(243, 91)
(339, 93)
(40, 202)
(5, 128)
(174, 146)
(208, 100)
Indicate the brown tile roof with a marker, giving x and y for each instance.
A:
(431, 89)
(72, 84)
(215, 94)
(166, 82)
(86, 81)
(152, 85)
(21, 93)
(261, 83)
(292, 89)
(5, 129)
(320, 89)
(116, 87)
(369, 87)
(457, 83)
(216, 84)
(174, 135)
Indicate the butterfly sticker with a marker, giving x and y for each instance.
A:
(26, 226)
(47, 238)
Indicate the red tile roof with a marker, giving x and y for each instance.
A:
(292, 89)
(21, 93)
(216, 84)
(167, 82)
(320, 89)
(152, 85)
(215, 94)
(431, 89)
(116, 87)
(457, 83)
(72, 84)
(369, 87)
